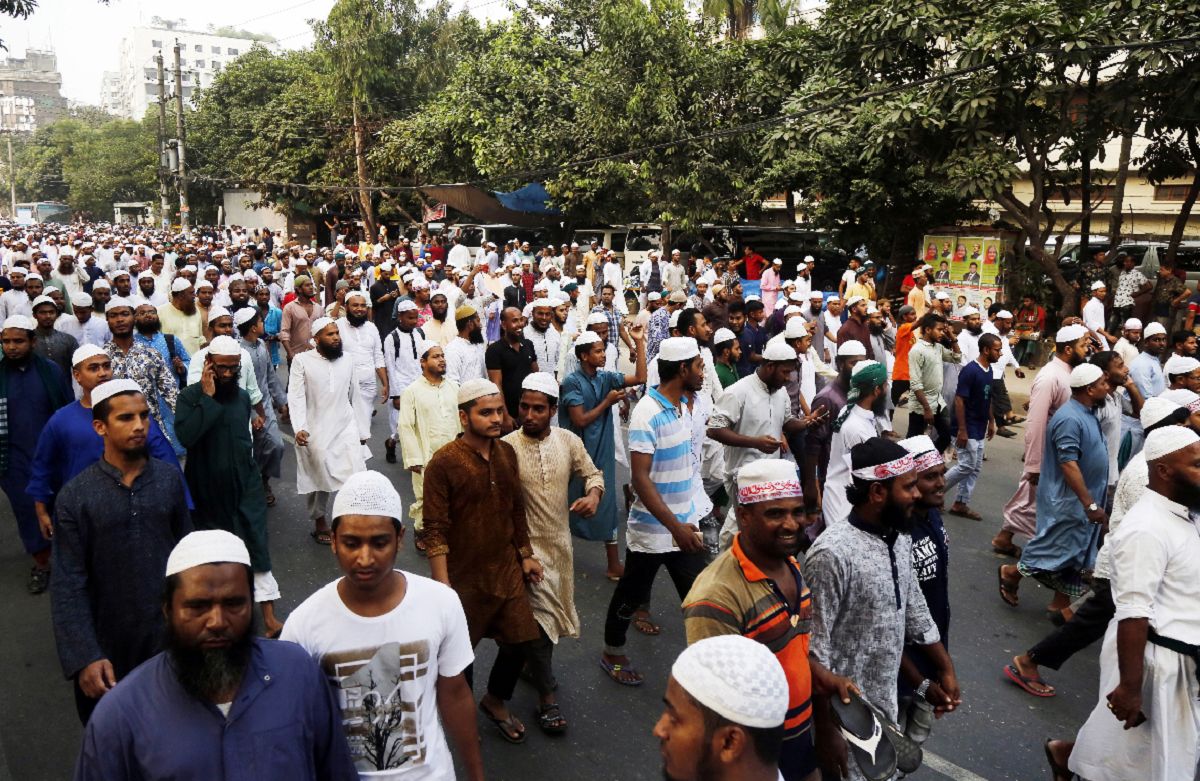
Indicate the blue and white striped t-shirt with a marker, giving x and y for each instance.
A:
(659, 430)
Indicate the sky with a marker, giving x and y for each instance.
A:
(86, 34)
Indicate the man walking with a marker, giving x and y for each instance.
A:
(465, 354)
(857, 422)
(926, 402)
(142, 364)
(509, 360)
(362, 344)
(426, 421)
(973, 421)
(268, 442)
(403, 365)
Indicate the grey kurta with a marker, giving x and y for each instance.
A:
(268, 443)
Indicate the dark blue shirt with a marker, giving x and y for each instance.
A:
(931, 562)
(283, 725)
(753, 340)
(975, 389)
(29, 409)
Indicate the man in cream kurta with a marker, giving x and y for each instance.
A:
(428, 419)
(329, 420)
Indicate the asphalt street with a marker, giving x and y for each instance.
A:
(997, 734)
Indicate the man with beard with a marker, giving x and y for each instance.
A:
(384, 292)
(966, 345)
(478, 543)
(439, 327)
(50, 343)
(510, 360)
(551, 458)
(149, 332)
(855, 423)
(213, 423)
(180, 318)
(210, 705)
(973, 421)
(146, 291)
(1070, 498)
(427, 420)
(855, 328)
(402, 362)
(82, 324)
(220, 321)
(759, 576)
(542, 337)
(268, 443)
(299, 316)
(238, 293)
(105, 592)
(726, 708)
(137, 361)
(204, 298)
(329, 420)
(15, 301)
(378, 618)
(1051, 389)
(867, 601)
(466, 352)
(361, 342)
(32, 388)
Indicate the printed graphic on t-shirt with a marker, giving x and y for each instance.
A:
(924, 559)
(380, 691)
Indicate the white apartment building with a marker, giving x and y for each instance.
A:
(133, 87)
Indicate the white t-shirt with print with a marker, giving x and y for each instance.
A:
(384, 670)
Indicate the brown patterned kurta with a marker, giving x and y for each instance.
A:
(475, 516)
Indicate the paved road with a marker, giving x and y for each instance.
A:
(997, 734)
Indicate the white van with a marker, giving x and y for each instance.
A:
(611, 238)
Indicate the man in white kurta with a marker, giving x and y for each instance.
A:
(855, 424)
(402, 360)
(465, 353)
(1156, 565)
(360, 341)
(329, 420)
(427, 420)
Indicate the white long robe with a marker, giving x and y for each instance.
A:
(859, 426)
(323, 400)
(362, 344)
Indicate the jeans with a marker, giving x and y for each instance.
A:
(633, 589)
(965, 471)
(941, 425)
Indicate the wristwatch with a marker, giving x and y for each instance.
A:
(924, 687)
(1093, 507)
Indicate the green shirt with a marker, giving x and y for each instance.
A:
(925, 374)
(726, 374)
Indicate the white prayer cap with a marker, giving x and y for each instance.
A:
(320, 324)
(809, 259)
(368, 493)
(796, 298)
(19, 321)
(107, 390)
(871, 308)
(424, 346)
(1133, 324)
(852, 300)
(224, 345)
(200, 284)
(1004, 314)
(792, 309)
(18, 270)
(587, 337)
(101, 284)
(542, 303)
(863, 366)
(1070, 333)
(942, 295)
(1155, 410)
(80, 299)
(749, 298)
(776, 262)
(597, 318)
(1154, 329)
(737, 678)
(1183, 397)
(33, 275)
(543, 382)
(778, 350)
(42, 299)
(788, 283)
(216, 311)
(119, 302)
(925, 454)
(1166, 440)
(475, 388)
(244, 315)
(84, 352)
(723, 335)
(407, 305)
(1085, 374)
(766, 479)
(673, 320)
(1099, 285)
(356, 292)
(816, 295)
(180, 284)
(678, 348)
(387, 265)
(795, 329)
(851, 348)
(212, 546)
(968, 311)
(1176, 364)
(801, 266)
(654, 297)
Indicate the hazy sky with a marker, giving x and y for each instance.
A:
(86, 34)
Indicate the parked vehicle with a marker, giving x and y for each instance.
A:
(611, 237)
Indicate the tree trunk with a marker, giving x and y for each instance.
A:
(366, 207)
(1116, 219)
(1181, 221)
(791, 207)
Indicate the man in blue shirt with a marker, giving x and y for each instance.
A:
(1147, 373)
(219, 704)
(972, 422)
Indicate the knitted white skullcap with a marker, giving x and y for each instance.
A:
(1154, 329)
(42, 299)
(587, 337)
(475, 388)
(778, 350)
(678, 348)
(224, 345)
(1004, 314)
(673, 320)
(1070, 333)
(424, 346)
(111, 388)
(852, 300)
(180, 284)
(357, 292)
(1183, 397)
(1085, 374)
(80, 299)
(320, 324)
(851, 347)
(654, 297)
(736, 677)
(1099, 285)
(407, 305)
(118, 302)
(723, 335)
(543, 382)
(211, 546)
(597, 318)
(244, 315)
(969, 311)
(217, 311)
(1166, 440)
(203, 283)
(101, 284)
(1176, 364)
(83, 352)
(1133, 324)
(794, 329)
(368, 493)
(1155, 409)
(23, 322)
(542, 303)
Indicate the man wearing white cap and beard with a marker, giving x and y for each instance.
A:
(83, 324)
(213, 423)
(212, 704)
(330, 422)
(426, 420)
(1070, 498)
(1144, 725)
(378, 624)
(180, 318)
(105, 593)
(1051, 389)
(477, 542)
(726, 701)
(32, 388)
(549, 457)
(141, 363)
(361, 342)
(402, 361)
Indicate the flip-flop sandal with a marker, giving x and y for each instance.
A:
(504, 725)
(967, 513)
(614, 671)
(322, 537)
(1006, 433)
(1013, 551)
(646, 626)
(551, 720)
(1014, 420)
(872, 751)
(1007, 592)
(1060, 773)
(1013, 674)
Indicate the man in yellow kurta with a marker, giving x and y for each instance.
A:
(547, 458)
(428, 420)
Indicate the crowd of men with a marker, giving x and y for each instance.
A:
(147, 379)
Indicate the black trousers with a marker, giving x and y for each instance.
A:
(1087, 625)
(941, 425)
(1001, 403)
(541, 664)
(633, 589)
(502, 681)
(899, 388)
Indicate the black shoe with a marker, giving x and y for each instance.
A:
(390, 447)
(39, 580)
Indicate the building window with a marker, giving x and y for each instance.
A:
(232, 52)
(199, 63)
(1171, 192)
(215, 50)
(199, 49)
(216, 66)
(156, 44)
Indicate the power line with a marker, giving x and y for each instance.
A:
(274, 13)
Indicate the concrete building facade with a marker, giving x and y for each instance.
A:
(30, 92)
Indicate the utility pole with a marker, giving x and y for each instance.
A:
(12, 179)
(163, 165)
(184, 211)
